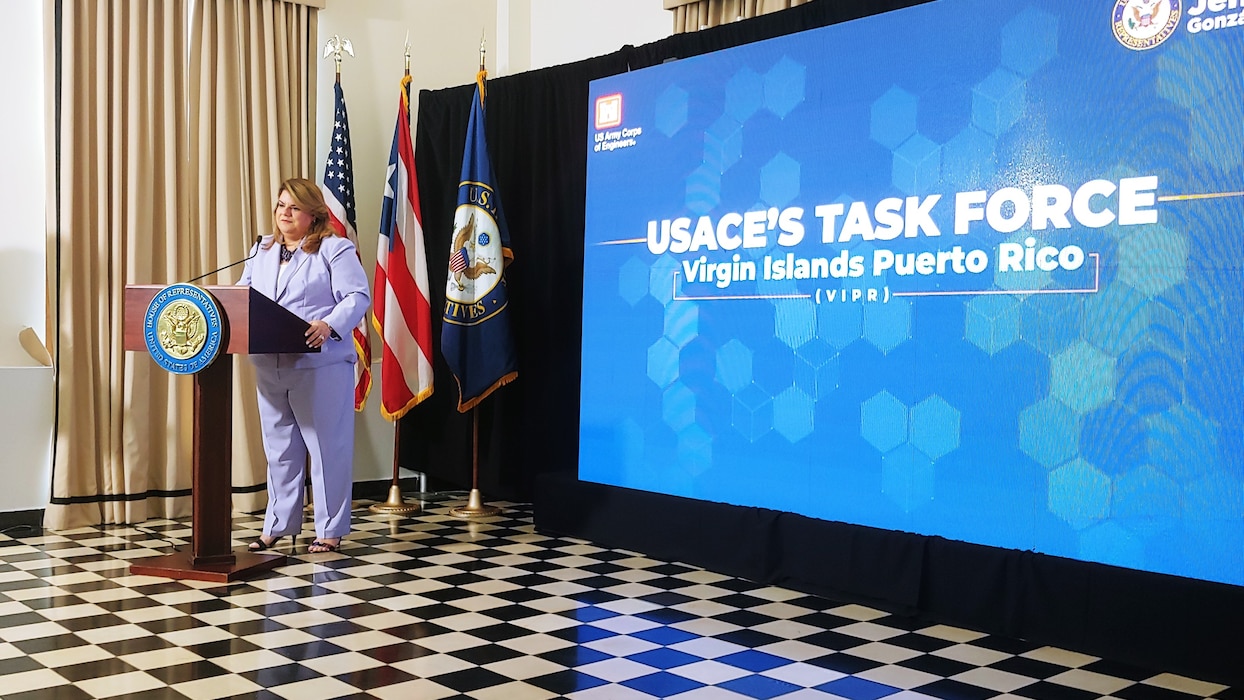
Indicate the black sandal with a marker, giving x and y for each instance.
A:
(259, 545)
(324, 547)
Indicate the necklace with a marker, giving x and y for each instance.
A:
(286, 254)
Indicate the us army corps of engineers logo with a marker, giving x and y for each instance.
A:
(183, 329)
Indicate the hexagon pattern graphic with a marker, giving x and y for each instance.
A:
(773, 367)
(1079, 494)
(1115, 318)
(794, 321)
(751, 412)
(633, 281)
(744, 94)
(682, 322)
(883, 421)
(917, 165)
(734, 365)
(1029, 41)
(779, 180)
(893, 117)
(934, 427)
(792, 414)
(723, 143)
(991, 323)
(968, 159)
(887, 325)
(998, 102)
(1082, 377)
(1153, 259)
(839, 324)
(678, 406)
(1049, 432)
(662, 362)
(907, 477)
(784, 86)
(1051, 322)
(817, 368)
(661, 278)
(695, 449)
(671, 110)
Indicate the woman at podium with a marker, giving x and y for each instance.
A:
(306, 400)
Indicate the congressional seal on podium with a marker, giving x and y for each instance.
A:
(183, 329)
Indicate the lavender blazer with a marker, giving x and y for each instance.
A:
(329, 284)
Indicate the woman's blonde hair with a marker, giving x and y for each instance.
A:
(306, 194)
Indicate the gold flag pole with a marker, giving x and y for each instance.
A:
(334, 47)
(396, 505)
(475, 507)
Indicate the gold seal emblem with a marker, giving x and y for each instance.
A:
(182, 329)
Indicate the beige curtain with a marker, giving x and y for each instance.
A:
(693, 15)
(164, 169)
(252, 121)
(119, 214)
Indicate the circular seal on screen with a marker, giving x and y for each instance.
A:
(1143, 24)
(182, 329)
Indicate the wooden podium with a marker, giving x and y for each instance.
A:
(252, 324)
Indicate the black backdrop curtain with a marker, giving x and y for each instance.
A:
(537, 134)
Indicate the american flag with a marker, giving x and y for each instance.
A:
(401, 310)
(458, 262)
(338, 189)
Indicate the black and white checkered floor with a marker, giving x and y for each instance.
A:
(439, 607)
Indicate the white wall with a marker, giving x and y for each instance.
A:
(563, 31)
(520, 35)
(25, 386)
(22, 181)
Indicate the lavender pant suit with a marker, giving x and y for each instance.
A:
(306, 401)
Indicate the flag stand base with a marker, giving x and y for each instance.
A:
(474, 508)
(395, 505)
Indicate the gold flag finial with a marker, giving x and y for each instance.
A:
(335, 47)
(482, 49)
(407, 52)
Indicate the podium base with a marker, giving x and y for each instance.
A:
(178, 566)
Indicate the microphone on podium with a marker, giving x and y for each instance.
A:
(226, 267)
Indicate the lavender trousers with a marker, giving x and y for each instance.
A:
(308, 411)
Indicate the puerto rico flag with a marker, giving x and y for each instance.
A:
(338, 189)
(401, 311)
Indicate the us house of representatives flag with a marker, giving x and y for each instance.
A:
(475, 337)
